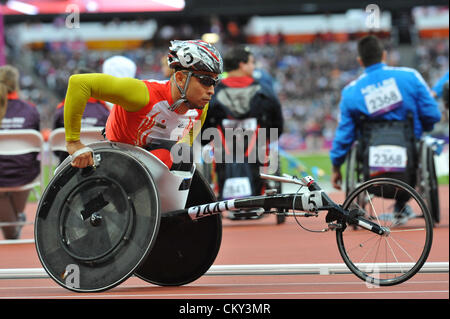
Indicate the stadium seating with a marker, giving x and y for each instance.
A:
(17, 142)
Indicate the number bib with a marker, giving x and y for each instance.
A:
(246, 124)
(383, 98)
(236, 187)
(387, 158)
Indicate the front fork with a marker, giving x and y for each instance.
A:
(355, 217)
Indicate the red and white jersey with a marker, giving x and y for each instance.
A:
(155, 120)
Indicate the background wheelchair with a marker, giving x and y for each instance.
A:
(237, 173)
(394, 140)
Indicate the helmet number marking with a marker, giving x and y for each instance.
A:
(188, 58)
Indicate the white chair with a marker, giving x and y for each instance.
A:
(18, 142)
(57, 141)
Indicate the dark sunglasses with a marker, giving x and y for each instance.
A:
(206, 79)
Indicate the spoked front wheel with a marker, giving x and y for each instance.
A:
(402, 249)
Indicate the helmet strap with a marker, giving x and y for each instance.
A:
(182, 98)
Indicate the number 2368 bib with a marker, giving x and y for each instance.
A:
(383, 98)
(387, 158)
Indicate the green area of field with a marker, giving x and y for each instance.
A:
(318, 166)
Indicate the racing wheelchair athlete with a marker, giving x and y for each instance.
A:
(384, 94)
(121, 207)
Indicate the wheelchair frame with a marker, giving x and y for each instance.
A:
(426, 178)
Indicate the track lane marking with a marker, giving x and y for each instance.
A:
(100, 296)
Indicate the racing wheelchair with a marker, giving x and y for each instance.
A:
(130, 215)
(390, 149)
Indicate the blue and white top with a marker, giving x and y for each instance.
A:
(383, 92)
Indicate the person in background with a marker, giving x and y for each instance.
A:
(408, 94)
(262, 76)
(95, 114)
(241, 101)
(15, 170)
(165, 69)
(440, 90)
(445, 95)
(437, 89)
(121, 67)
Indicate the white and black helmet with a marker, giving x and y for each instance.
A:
(194, 55)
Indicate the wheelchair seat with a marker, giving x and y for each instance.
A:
(390, 149)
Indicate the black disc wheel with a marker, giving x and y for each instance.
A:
(94, 227)
(184, 249)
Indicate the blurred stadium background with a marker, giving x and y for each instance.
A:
(308, 47)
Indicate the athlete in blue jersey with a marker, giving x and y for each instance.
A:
(381, 92)
(438, 88)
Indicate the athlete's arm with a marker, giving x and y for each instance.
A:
(342, 142)
(344, 135)
(131, 94)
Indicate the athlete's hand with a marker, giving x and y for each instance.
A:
(83, 160)
(336, 178)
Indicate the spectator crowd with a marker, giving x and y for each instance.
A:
(308, 77)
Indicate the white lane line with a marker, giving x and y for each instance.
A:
(262, 269)
(253, 294)
(151, 286)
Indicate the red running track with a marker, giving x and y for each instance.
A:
(249, 242)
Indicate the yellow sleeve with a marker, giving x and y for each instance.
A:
(189, 138)
(131, 94)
